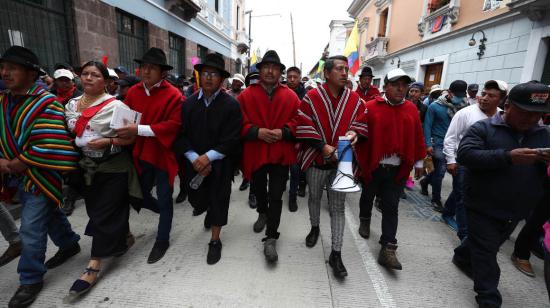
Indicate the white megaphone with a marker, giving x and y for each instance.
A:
(344, 181)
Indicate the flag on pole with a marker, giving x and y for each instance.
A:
(351, 51)
(320, 66)
(253, 58)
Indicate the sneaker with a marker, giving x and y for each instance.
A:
(62, 255)
(450, 221)
(252, 202)
(388, 257)
(523, 266)
(13, 251)
(438, 207)
(292, 204)
(270, 249)
(260, 223)
(424, 186)
(364, 228)
(214, 252)
(25, 295)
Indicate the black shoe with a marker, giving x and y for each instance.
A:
(158, 251)
(364, 228)
(214, 252)
(388, 257)
(13, 251)
(424, 187)
(68, 206)
(244, 185)
(207, 224)
(292, 204)
(260, 222)
(25, 295)
(252, 202)
(335, 261)
(312, 237)
(80, 286)
(181, 196)
(62, 255)
(438, 207)
(464, 267)
(301, 191)
(197, 211)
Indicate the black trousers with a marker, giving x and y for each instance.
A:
(269, 185)
(107, 205)
(529, 235)
(383, 185)
(479, 250)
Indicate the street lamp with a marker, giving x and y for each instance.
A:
(482, 41)
(398, 61)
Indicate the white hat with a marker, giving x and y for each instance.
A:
(396, 74)
(112, 73)
(238, 77)
(502, 85)
(435, 87)
(63, 73)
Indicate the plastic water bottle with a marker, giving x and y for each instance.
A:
(196, 181)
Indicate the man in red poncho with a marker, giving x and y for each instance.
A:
(160, 104)
(365, 89)
(269, 109)
(394, 146)
(326, 114)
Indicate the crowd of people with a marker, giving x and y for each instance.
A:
(58, 144)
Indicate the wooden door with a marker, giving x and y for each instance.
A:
(433, 76)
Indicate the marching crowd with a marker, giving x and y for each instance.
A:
(58, 143)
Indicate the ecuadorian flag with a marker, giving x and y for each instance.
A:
(351, 51)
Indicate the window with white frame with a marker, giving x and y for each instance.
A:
(490, 5)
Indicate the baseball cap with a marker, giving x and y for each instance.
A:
(458, 88)
(63, 73)
(501, 85)
(434, 88)
(418, 85)
(112, 73)
(128, 81)
(473, 87)
(395, 75)
(531, 96)
(121, 69)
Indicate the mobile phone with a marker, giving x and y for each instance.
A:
(544, 150)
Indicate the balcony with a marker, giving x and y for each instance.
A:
(447, 15)
(242, 42)
(185, 9)
(535, 10)
(376, 51)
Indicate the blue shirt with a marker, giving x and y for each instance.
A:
(436, 123)
(211, 154)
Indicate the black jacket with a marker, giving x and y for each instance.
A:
(493, 185)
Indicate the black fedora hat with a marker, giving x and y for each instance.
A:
(155, 56)
(213, 60)
(366, 71)
(271, 56)
(22, 56)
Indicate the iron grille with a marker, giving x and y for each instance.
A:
(177, 54)
(132, 39)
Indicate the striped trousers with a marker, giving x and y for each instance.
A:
(316, 180)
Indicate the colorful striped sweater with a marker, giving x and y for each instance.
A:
(33, 130)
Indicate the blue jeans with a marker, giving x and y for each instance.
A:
(454, 206)
(149, 177)
(437, 175)
(40, 218)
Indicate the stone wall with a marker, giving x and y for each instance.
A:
(96, 32)
(158, 38)
(191, 50)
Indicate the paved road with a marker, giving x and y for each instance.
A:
(302, 277)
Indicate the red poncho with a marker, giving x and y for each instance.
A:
(325, 118)
(393, 129)
(162, 111)
(371, 93)
(259, 111)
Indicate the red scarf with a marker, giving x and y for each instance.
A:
(371, 93)
(325, 118)
(258, 110)
(393, 129)
(87, 115)
(162, 111)
(64, 95)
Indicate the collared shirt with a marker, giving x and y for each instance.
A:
(145, 130)
(390, 103)
(148, 91)
(211, 154)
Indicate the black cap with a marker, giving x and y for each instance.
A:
(473, 87)
(458, 88)
(22, 56)
(366, 71)
(128, 81)
(531, 96)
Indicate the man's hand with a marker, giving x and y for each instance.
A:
(328, 153)
(278, 133)
(418, 173)
(206, 171)
(99, 144)
(201, 163)
(17, 166)
(267, 135)
(430, 151)
(452, 168)
(4, 166)
(524, 156)
(352, 136)
(127, 131)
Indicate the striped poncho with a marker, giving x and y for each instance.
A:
(33, 130)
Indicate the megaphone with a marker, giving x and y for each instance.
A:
(344, 181)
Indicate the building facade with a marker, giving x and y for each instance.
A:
(438, 41)
(76, 31)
